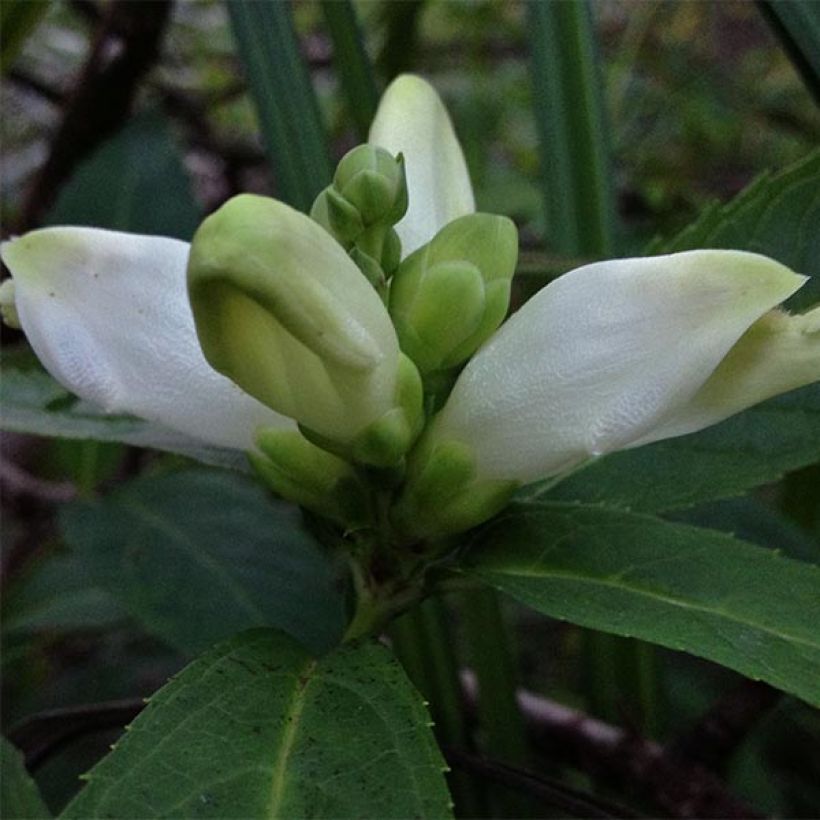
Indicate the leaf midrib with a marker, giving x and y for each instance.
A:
(702, 609)
(291, 719)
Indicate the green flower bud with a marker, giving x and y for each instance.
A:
(444, 495)
(449, 296)
(337, 216)
(283, 311)
(301, 472)
(372, 180)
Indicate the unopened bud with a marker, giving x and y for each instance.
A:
(282, 310)
(449, 296)
(372, 180)
(301, 472)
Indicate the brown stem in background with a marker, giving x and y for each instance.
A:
(632, 764)
(125, 48)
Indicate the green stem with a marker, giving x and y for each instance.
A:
(423, 643)
(488, 648)
(621, 680)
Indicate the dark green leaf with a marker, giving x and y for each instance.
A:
(135, 182)
(32, 402)
(352, 63)
(19, 797)
(285, 100)
(18, 18)
(199, 555)
(777, 215)
(569, 114)
(689, 589)
(58, 595)
(258, 728)
(797, 24)
(747, 450)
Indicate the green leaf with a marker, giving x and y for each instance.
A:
(689, 589)
(352, 63)
(258, 728)
(19, 796)
(285, 100)
(18, 18)
(752, 448)
(32, 402)
(57, 595)
(797, 24)
(569, 115)
(134, 182)
(199, 555)
(777, 215)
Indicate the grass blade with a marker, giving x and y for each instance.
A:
(352, 63)
(284, 98)
(571, 125)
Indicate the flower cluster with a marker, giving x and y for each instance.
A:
(367, 338)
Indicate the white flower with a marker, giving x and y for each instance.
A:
(609, 356)
(625, 352)
(108, 315)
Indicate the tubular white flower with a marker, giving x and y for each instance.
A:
(412, 120)
(108, 315)
(620, 353)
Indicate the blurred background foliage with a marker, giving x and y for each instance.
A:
(700, 98)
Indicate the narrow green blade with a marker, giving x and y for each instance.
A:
(352, 63)
(285, 100)
(797, 25)
(571, 126)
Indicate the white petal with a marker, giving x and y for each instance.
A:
(596, 360)
(413, 121)
(108, 315)
(777, 353)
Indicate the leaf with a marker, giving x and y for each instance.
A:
(285, 100)
(569, 115)
(199, 555)
(752, 448)
(18, 19)
(352, 63)
(32, 402)
(57, 595)
(778, 216)
(19, 796)
(258, 728)
(689, 589)
(134, 182)
(797, 25)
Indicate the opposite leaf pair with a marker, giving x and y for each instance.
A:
(611, 355)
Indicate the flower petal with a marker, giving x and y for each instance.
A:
(108, 315)
(413, 121)
(777, 353)
(598, 359)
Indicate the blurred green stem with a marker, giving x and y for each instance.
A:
(424, 645)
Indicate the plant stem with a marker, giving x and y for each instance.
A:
(488, 648)
(424, 645)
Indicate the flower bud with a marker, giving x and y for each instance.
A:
(444, 494)
(449, 296)
(282, 310)
(301, 472)
(372, 181)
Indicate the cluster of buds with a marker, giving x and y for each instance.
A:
(367, 197)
